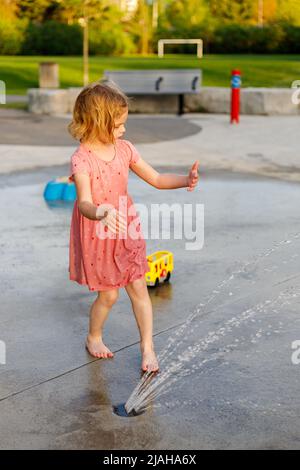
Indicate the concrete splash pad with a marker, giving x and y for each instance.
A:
(54, 396)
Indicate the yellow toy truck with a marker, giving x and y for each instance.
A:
(161, 265)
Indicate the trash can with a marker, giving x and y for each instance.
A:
(48, 75)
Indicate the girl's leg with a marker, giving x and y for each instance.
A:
(142, 308)
(98, 314)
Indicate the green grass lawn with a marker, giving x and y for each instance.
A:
(21, 72)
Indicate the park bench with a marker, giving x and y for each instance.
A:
(157, 82)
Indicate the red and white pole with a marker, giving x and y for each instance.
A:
(235, 96)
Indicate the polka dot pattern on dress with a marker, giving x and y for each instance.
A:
(122, 260)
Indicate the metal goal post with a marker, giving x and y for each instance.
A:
(162, 42)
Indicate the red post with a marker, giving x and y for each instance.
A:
(235, 95)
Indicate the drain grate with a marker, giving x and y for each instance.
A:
(121, 411)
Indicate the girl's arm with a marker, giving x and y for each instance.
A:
(166, 180)
(87, 208)
(84, 196)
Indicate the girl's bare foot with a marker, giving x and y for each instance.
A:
(149, 361)
(97, 348)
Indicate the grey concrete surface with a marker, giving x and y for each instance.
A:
(259, 145)
(22, 128)
(16, 98)
(53, 395)
(254, 100)
(244, 390)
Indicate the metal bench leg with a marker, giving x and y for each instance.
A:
(180, 104)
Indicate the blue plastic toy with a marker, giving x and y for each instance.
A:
(69, 192)
(60, 189)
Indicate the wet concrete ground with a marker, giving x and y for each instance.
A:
(23, 128)
(259, 145)
(53, 395)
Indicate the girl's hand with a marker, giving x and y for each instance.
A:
(193, 177)
(113, 219)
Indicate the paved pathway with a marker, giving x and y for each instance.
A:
(265, 145)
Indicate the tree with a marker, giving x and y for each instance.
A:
(234, 11)
(84, 12)
(8, 9)
(187, 13)
(140, 26)
(35, 10)
(288, 11)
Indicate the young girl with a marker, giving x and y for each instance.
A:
(103, 255)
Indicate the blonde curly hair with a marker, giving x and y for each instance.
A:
(96, 109)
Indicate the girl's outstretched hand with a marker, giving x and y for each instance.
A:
(113, 218)
(193, 177)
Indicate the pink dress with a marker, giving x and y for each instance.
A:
(112, 262)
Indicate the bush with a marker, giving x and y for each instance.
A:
(107, 40)
(112, 37)
(230, 38)
(236, 38)
(265, 40)
(52, 38)
(12, 36)
(291, 42)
